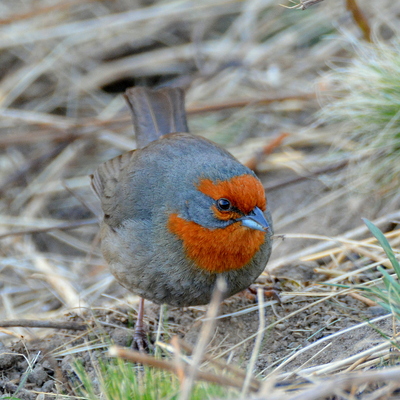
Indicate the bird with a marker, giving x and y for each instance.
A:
(179, 211)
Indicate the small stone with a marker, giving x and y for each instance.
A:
(299, 271)
(8, 358)
(66, 364)
(38, 376)
(377, 311)
(14, 375)
(22, 394)
(49, 386)
(47, 365)
(122, 337)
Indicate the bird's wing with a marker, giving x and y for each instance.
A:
(108, 184)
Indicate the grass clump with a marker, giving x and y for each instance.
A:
(116, 379)
(365, 102)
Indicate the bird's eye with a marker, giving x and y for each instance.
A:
(224, 204)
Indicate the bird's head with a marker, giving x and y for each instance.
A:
(224, 223)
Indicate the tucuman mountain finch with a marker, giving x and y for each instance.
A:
(179, 211)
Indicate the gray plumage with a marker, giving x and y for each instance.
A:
(140, 189)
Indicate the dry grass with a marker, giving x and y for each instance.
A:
(364, 104)
(250, 70)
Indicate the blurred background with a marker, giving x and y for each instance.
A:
(261, 78)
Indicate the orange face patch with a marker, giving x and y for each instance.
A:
(244, 192)
(217, 250)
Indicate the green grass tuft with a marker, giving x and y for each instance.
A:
(387, 296)
(115, 379)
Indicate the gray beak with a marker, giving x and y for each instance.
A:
(255, 220)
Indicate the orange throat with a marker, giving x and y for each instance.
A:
(217, 250)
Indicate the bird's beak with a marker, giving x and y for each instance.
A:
(255, 220)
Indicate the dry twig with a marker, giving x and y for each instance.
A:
(34, 323)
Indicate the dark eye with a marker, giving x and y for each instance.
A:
(224, 204)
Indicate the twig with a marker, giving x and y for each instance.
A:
(136, 356)
(258, 342)
(204, 337)
(34, 323)
(356, 364)
(198, 109)
(268, 149)
(359, 18)
(180, 367)
(366, 301)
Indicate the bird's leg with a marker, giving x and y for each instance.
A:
(139, 334)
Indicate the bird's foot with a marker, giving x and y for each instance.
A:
(269, 291)
(140, 341)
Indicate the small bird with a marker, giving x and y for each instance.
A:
(179, 211)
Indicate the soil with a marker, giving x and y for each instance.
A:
(52, 371)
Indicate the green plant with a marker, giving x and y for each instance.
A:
(389, 295)
(115, 379)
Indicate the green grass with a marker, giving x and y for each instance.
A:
(115, 379)
(388, 295)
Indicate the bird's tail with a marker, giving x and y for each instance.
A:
(156, 112)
